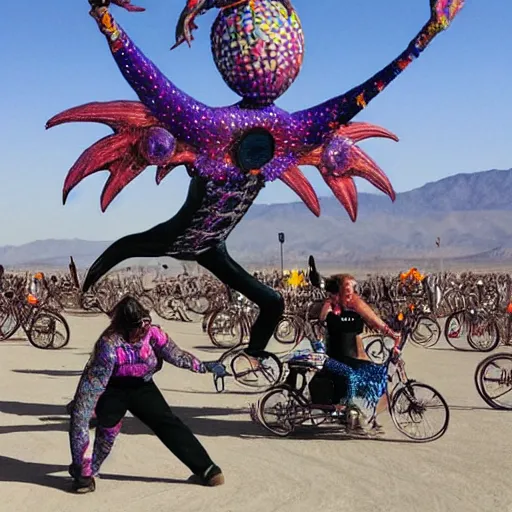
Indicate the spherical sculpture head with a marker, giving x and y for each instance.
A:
(258, 49)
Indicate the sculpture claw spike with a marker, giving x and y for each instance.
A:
(122, 172)
(345, 191)
(361, 165)
(182, 156)
(116, 114)
(294, 178)
(359, 131)
(99, 157)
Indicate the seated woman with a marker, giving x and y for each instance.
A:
(345, 313)
(119, 378)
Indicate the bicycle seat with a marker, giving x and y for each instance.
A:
(313, 275)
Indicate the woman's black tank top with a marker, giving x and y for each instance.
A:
(342, 330)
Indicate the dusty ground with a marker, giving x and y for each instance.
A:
(467, 470)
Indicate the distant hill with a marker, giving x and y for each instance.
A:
(471, 213)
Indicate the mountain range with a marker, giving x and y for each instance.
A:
(470, 213)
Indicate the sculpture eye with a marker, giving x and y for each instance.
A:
(255, 149)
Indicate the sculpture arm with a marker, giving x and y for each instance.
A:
(330, 115)
(171, 106)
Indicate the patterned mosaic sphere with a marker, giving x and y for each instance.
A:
(258, 49)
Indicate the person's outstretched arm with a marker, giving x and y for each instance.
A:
(165, 348)
(369, 316)
(92, 384)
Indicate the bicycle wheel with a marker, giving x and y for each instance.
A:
(88, 302)
(225, 329)
(377, 351)
(48, 330)
(410, 406)
(455, 330)
(267, 373)
(166, 307)
(286, 330)
(9, 324)
(280, 411)
(106, 301)
(493, 379)
(198, 304)
(484, 336)
(427, 332)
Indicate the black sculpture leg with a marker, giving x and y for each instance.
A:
(148, 244)
(270, 302)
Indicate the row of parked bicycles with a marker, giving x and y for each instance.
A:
(471, 311)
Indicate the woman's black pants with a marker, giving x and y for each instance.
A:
(145, 401)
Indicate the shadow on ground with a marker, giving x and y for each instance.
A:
(15, 470)
(51, 373)
(204, 421)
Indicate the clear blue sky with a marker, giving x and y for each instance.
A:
(451, 109)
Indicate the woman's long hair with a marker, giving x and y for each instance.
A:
(127, 316)
(342, 284)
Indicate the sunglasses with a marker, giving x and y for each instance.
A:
(145, 322)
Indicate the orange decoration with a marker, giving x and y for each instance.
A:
(32, 300)
(509, 308)
(361, 102)
(413, 274)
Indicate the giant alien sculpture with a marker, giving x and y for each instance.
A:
(232, 152)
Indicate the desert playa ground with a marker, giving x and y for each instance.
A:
(467, 470)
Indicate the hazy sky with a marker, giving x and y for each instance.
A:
(451, 109)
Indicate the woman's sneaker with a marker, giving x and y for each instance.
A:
(355, 419)
(84, 485)
(212, 477)
(376, 429)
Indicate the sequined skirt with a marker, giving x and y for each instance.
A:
(365, 380)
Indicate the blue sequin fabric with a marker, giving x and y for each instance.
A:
(367, 382)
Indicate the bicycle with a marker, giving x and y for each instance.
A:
(233, 322)
(39, 323)
(294, 407)
(267, 372)
(425, 329)
(477, 325)
(490, 371)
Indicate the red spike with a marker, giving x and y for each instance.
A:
(345, 191)
(181, 157)
(112, 113)
(100, 156)
(361, 165)
(163, 170)
(361, 131)
(294, 178)
(122, 172)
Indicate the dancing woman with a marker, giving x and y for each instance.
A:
(119, 378)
